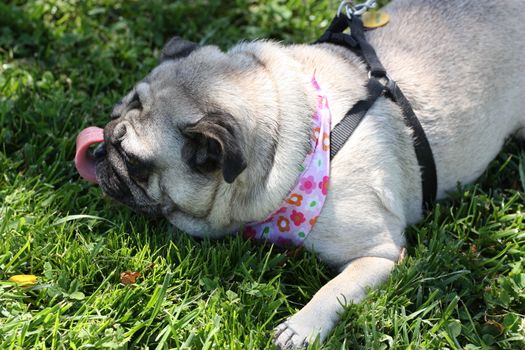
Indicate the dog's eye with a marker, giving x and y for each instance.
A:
(132, 161)
(137, 169)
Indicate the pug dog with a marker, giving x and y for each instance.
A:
(212, 140)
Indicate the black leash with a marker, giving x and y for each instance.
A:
(357, 43)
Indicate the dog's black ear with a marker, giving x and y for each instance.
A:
(214, 142)
(177, 47)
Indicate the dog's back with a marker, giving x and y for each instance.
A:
(462, 65)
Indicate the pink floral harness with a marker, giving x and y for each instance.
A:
(293, 221)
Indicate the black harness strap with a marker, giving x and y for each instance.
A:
(424, 155)
(342, 130)
(357, 31)
(357, 43)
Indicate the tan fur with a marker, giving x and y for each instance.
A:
(461, 65)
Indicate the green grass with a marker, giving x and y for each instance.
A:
(63, 65)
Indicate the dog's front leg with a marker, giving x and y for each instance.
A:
(318, 317)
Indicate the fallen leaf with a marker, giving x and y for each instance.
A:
(129, 277)
(23, 280)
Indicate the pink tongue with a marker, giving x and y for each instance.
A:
(84, 161)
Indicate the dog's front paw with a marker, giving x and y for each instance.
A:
(296, 332)
(286, 337)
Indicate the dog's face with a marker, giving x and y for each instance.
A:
(172, 140)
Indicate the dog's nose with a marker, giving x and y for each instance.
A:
(100, 151)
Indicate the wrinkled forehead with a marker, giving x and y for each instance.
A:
(182, 94)
(177, 79)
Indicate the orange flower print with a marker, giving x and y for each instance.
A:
(315, 136)
(283, 224)
(313, 220)
(326, 141)
(295, 199)
(297, 217)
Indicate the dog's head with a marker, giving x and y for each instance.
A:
(178, 141)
